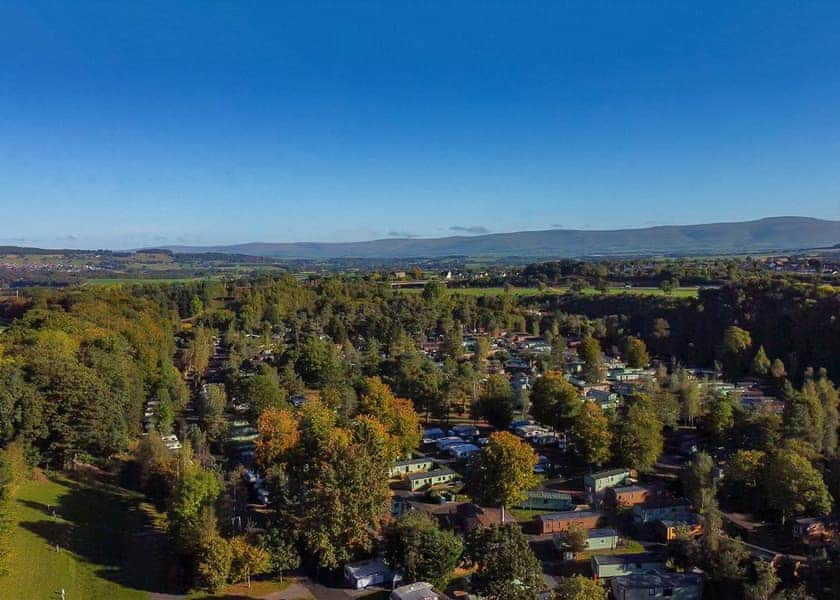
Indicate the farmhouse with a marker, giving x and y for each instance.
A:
(417, 481)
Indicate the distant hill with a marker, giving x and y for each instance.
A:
(764, 235)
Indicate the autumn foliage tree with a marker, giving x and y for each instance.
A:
(503, 471)
(344, 501)
(279, 433)
(397, 414)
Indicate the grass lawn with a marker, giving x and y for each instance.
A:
(95, 526)
(629, 547)
(527, 514)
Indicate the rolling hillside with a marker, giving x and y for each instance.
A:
(763, 235)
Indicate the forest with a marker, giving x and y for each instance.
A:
(104, 376)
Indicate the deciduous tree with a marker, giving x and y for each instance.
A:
(418, 548)
(793, 486)
(279, 433)
(282, 552)
(578, 587)
(503, 471)
(637, 441)
(635, 353)
(247, 559)
(555, 401)
(590, 353)
(591, 434)
(760, 363)
(734, 347)
(495, 403)
(506, 567)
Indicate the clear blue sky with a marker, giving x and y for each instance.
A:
(126, 124)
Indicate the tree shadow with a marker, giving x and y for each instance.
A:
(107, 527)
(54, 532)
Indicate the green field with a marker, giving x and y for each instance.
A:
(683, 292)
(105, 541)
(111, 545)
(141, 280)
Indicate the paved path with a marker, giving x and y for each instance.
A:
(295, 591)
(321, 592)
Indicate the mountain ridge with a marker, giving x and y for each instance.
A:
(762, 235)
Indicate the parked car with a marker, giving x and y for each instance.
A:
(444, 443)
(464, 431)
(430, 436)
(542, 466)
(262, 496)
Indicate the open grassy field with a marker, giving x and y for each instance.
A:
(683, 292)
(100, 533)
(141, 280)
(110, 546)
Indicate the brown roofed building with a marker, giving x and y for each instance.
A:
(470, 516)
(629, 495)
(559, 522)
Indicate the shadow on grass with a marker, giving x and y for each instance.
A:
(107, 527)
(54, 532)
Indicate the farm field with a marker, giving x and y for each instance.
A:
(104, 282)
(682, 292)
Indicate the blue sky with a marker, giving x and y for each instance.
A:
(126, 124)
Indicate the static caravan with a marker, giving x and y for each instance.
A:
(367, 573)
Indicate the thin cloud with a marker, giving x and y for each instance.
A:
(471, 229)
(402, 234)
